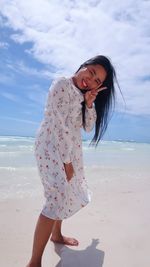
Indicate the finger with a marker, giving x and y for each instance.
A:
(101, 89)
(94, 93)
(69, 177)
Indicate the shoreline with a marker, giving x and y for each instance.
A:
(85, 140)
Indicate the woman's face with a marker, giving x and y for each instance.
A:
(90, 77)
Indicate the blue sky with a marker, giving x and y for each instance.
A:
(41, 40)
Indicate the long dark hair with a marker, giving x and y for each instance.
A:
(105, 100)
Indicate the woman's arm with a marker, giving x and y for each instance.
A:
(90, 112)
(90, 118)
(60, 106)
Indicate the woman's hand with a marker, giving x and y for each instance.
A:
(91, 95)
(69, 170)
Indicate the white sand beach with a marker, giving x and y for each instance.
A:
(113, 230)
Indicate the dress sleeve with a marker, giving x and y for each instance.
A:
(60, 108)
(90, 118)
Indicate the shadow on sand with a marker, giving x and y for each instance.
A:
(90, 257)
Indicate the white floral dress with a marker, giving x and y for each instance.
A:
(58, 141)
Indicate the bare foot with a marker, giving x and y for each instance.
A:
(65, 240)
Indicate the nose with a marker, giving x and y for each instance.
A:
(91, 82)
(90, 78)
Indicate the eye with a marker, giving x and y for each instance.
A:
(99, 82)
(92, 72)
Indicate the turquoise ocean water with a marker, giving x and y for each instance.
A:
(18, 171)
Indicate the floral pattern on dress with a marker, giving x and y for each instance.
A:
(58, 141)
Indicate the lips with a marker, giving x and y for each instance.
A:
(84, 84)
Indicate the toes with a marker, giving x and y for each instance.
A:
(75, 242)
(66, 241)
(71, 241)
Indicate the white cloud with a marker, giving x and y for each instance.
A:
(37, 95)
(6, 79)
(10, 96)
(18, 120)
(3, 45)
(65, 33)
(21, 67)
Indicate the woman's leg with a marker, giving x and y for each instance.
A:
(59, 238)
(42, 233)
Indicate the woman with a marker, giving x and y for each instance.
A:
(84, 100)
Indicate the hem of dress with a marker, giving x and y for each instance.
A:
(66, 217)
